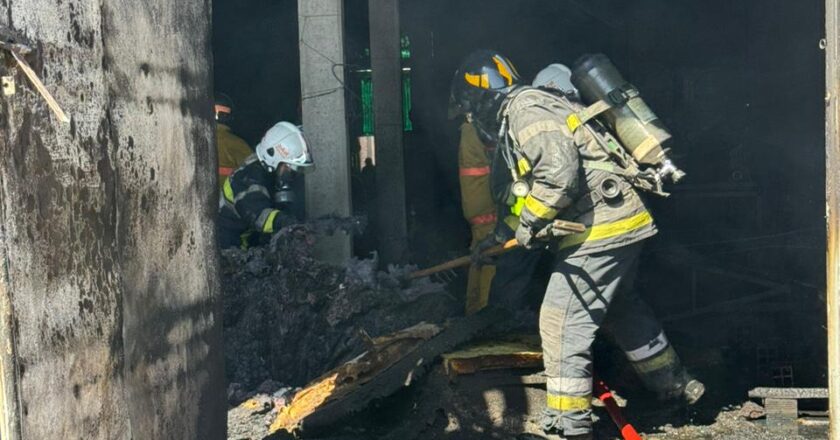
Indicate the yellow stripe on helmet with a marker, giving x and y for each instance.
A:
(480, 81)
(501, 65)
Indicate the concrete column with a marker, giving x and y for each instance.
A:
(321, 27)
(388, 120)
(109, 294)
(832, 205)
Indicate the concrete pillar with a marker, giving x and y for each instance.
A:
(832, 205)
(387, 101)
(321, 27)
(109, 298)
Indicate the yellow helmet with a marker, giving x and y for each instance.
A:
(482, 81)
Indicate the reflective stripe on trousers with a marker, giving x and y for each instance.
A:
(484, 219)
(581, 290)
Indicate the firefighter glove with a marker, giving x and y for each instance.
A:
(477, 256)
(526, 237)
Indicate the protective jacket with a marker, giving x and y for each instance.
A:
(232, 151)
(246, 206)
(479, 209)
(474, 172)
(566, 167)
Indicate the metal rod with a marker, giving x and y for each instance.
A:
(832, 191)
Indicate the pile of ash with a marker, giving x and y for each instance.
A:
(289, 317)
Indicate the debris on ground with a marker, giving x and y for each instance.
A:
(289, 317)
(382, 353)
(752, 411)
(729, 425)
(364, 340)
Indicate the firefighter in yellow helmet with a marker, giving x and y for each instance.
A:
(560, 170)
(231, 149)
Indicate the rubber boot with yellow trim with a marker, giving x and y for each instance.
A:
(665, 375)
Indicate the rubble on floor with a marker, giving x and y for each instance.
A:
(729, 425)
(290, 318)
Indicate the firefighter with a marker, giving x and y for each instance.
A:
(562, 171)
(478, 208)
(231, 149)
(504, 280)
(246, 208)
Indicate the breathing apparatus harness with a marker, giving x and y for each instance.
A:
(620, 163)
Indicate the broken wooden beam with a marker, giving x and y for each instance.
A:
(338, 383)
(494, 355)
(329, 399)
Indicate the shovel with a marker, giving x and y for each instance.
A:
(558, 226)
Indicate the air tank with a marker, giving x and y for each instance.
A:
(629, 117)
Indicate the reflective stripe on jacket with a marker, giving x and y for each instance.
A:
(474, 175)
(561, 187)
(245, 200)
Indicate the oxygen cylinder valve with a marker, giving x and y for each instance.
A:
(670, 171)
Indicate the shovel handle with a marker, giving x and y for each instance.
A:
(493, 251)
(463, 261)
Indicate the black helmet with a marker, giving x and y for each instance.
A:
(223, 108)
(481, 83)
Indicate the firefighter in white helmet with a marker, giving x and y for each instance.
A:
(246, 205)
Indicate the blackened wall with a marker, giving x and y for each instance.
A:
(109, 291)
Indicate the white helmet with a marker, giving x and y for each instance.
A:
(558, 77)
(283, 143)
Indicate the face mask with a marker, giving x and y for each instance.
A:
(284, 193)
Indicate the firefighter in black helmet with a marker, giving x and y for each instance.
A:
(560, 170)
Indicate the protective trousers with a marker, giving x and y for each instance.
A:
(581, 290)
(479, 278)
(514, 272)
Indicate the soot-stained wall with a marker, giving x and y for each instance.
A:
(111, 326)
